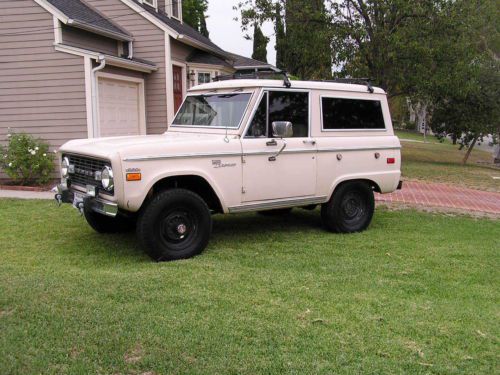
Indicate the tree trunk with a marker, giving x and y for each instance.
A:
(497, 158)
(469, 150)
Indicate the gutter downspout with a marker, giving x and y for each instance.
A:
(101, 66)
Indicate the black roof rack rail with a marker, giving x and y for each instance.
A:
(354, 81)
(286, 78)
(258, 74)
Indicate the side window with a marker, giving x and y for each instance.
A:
(259, 121)
(340, 114)
(290, 106)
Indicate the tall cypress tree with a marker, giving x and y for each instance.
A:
(279, 29)
(259, 44)
(193, 13)
(308, 47)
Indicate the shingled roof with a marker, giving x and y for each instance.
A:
(84, 16)
(183, 29)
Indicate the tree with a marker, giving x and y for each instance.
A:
(279, 29)
(193, 13)
(259, 44)
(302, 33)
(473, 107)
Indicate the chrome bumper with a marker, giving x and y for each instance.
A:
(87, 201)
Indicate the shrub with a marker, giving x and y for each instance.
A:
(26, 160)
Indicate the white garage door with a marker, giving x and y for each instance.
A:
(120, 108)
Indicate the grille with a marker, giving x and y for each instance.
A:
(85, 169)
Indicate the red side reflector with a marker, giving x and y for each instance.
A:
(391, 160)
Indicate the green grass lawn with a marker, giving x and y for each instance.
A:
(415, 294)
(441, 162)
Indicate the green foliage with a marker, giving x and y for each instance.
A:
(259, 44)
(302, 34)
(26, 160)
(193, 13)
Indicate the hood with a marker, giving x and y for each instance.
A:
(146, 144)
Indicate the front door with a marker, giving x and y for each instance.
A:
(291, 174)
(177, 73)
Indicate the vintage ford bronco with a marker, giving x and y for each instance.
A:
(238, 146)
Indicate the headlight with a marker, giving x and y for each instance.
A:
(65, 167)
(107, 180)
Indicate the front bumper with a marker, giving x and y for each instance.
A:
(87, 201)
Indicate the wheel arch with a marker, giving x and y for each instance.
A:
(373, 184)
(190, 181)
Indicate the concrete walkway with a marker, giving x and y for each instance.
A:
(26, 194)
(441, 195)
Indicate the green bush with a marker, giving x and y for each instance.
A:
(26, 160)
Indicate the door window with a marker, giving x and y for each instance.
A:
(292, 107)
(281, 106)
(258, 126)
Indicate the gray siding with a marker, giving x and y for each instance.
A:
(84, 39)
(180, 51)
(149, 44)
(42, 92)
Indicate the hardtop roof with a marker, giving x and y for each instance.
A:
(275, 83)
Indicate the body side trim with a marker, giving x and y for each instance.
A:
(278, 204)
(229, 154)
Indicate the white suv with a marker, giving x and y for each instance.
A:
(238, 146)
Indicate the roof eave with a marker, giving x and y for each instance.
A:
(194, 43)
(99, 30)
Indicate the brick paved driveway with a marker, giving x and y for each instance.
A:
(442, 195)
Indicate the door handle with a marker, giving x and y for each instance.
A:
(273, 158)
(272, 143)
(309, 142)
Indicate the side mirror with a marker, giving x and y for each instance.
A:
(282, 129)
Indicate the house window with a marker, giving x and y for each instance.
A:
(152, 3)
(204, 78)
(175, 9)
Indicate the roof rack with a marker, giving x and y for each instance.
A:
(354, 81)
(258, 74)
(286, 78)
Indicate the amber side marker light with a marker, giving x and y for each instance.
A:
(134, 177)
(391, 160)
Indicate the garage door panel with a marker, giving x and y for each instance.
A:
(119, 107)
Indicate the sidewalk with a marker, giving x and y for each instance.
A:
(26, 194)
(441, 195)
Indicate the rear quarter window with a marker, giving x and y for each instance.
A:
(351, 114)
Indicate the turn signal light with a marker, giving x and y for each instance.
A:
(391, 160)
(134, 177)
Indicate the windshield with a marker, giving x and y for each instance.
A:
(215, 110)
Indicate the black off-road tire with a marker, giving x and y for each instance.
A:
(107, 224)
(174, 224)
(276, 212)
(350, 209)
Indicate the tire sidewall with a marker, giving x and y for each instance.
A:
(149, 232)
(332, 212)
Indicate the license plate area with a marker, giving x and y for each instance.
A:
(77, 199)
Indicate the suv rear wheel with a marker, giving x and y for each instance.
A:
(175, 224)
(350, 209)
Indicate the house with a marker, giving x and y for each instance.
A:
(94, 68)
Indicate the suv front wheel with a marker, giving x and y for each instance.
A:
(175, 224)
(350, 209)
